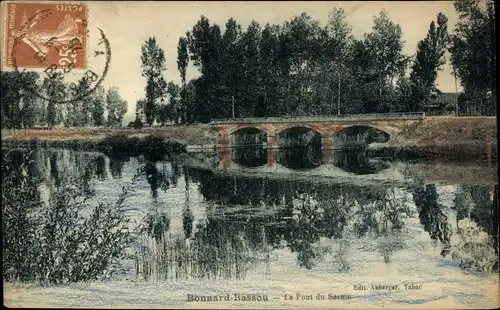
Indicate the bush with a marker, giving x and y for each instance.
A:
(151, 146)
(119, 144)
(56, 243)
(20, 199)
(138, 124)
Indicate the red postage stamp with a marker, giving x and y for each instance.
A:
(41, 33)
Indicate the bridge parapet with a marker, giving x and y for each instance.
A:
(329, 118)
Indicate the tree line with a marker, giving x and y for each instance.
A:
(302, 68)
(297, 68)
(29, 101)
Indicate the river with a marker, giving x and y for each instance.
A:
(287, 226)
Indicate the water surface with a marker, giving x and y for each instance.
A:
(289, 219)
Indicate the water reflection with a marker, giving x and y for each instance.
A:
(235, 190)
(116, 164)
(246, 219)
(358, 162)
(302, 158)
(159, 179)
(100, 168)
(250, 157)
(218, 249)
(431, 216)
(187, 213)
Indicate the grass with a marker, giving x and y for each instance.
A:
(446, 130)
(192, 134)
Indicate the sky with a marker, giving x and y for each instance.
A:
(128, 24)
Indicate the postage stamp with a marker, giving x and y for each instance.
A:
(47, 32)
(55, 39)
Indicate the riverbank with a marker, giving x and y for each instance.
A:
(194, 135)
(435, 136)
(116, 145)
(458, 138)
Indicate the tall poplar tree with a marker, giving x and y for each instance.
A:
(153, 66)
(55, 90)
(473, 55)
(339, 41)
(182, 63)
(430, 57)
(98, 99)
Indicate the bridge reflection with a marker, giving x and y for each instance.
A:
(299, 158)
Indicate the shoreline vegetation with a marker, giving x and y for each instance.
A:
(455, 138)
(113, 145)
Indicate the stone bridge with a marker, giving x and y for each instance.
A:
(326, 126)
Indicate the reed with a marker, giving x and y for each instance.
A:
(209, 255)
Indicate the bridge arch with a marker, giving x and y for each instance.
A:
(246, 129)
(247, 135)
(370, 132)
(300, 128)
(299, 135)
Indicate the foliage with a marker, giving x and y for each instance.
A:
(182, 63)
(98, 99)
(204, 42)
(117, 107)
(174, 104)
(153, 65)
(430, 56)
(56, 242)
(297, 68)
(164, 113)
(385, 45)
(473, 55)
(301, 68)
(139, 109)
(21, 107)
(137, 124)
(182, 58)
(81, 105)
(19, 103)
(151, 145)
(54, 87)
(30, 100)
(338, 52)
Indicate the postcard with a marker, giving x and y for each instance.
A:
(244, 155)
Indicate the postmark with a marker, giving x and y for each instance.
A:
(55, 39)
